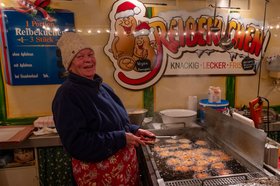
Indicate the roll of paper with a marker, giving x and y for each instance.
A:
(192, 103)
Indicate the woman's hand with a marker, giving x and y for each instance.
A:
(145, 133)
(131, 139)
(146, 136)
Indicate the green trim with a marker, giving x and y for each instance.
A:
(18, 121)
(148, 93)
(230, 90)
(2, 98)
(149, 12)
(149, 100)
(276, 108)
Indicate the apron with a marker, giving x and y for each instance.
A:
(120, 169)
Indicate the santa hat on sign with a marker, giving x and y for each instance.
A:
(127, 9)
(142, 29)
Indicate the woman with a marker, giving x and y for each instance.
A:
(92, 122)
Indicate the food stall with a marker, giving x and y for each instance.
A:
(198, 55)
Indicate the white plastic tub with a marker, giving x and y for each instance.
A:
(175, 117)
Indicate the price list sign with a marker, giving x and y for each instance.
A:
(29, 52)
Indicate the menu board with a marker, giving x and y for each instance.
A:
(29, 52)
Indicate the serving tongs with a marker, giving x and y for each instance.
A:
(166, 137)
(162, 137)
(152, 139)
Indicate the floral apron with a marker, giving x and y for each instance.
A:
(121, 169)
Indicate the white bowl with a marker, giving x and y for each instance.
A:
(178, 117)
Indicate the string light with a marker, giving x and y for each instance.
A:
(56, 29)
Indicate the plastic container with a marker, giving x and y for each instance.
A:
(175, 117)
(221, 107)
(214, 94)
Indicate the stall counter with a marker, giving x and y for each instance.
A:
(50, 140)
(46, 148)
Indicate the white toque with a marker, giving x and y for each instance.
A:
(70, 44)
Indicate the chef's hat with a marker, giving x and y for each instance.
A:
(70, 44)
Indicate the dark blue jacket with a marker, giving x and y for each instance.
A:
(90, 118)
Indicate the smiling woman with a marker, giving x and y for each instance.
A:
(92, 122)
(84, 64)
